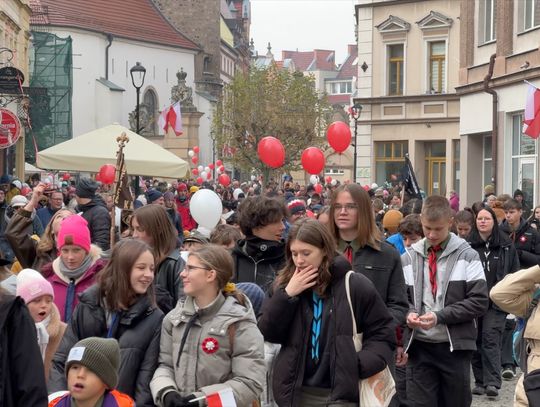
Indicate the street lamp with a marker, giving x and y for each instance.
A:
(354, 112)
(138, 72)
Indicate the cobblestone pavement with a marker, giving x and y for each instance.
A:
(505, 399)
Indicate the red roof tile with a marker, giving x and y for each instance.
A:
(133, 19)
(302, 60)
(318, 59)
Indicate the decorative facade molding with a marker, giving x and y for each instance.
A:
(434, 20)
(393, 24)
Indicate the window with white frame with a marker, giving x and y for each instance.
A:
(488, 9)
(338, 88)
(524, 158)
(437, 66)
(531, 13)
(395, 67)
(488, 157)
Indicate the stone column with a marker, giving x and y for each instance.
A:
(180, 145)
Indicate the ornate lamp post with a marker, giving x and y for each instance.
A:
(138, 72)
(355, 111)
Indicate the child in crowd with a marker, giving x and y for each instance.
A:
(447, 293)
(225, 235)
(92, 375)
(463, 224)
(38, 295)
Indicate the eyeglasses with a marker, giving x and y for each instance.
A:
(190, 268)
(348, 207)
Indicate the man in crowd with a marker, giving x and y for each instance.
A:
(94, 210)
(55, 203)
(182, 206)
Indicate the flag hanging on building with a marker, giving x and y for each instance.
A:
(408, 180)
(531, 122)
(171, 118)
(223, 398)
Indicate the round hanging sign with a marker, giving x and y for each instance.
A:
(10, 128)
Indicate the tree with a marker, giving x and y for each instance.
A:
(269, 102)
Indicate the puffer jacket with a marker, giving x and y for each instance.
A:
(22, 382)
(464, 289)
(60, 283)
(224, 349)
(527, 242)
(98, 217)
(258, 261)
(168, 282)
(288, 321)
(137, 331)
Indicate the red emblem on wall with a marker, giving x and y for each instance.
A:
(10, 128)
(210, 345)
(522, 239)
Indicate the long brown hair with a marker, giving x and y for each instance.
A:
(47, 242)
(219, 259)
(114, 281)
(367, 231)
(312, 232)
(153, 219)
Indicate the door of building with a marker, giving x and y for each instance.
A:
(436, 168)
(527, 171)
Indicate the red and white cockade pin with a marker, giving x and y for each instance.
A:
(522, 239)
(210, 345)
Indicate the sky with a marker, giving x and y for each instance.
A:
(303, 25)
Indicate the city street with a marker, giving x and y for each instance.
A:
(505, 399)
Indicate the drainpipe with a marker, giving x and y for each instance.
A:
(495, 121)
(110, 39)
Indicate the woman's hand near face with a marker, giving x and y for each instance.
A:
(301, 280)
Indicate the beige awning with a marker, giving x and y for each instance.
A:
(96, 148)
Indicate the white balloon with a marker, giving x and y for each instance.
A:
(334, 182)
(207, 169)
(191, 153)
(200, 168)
(314, 179)
(206, 208)
(253, 177)
(204, 175)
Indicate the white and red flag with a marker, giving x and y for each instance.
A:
(171, 118)
(531, 122)
(223, 398)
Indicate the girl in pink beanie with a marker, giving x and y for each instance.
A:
(74, 270)
(38, 295)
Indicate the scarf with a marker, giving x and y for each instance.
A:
(79, 271)
(43, 335)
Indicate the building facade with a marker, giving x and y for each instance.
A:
(408, 53)
(499, 51)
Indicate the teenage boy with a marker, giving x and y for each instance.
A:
(92, 375)
(447, 292)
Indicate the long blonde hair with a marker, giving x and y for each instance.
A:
(47, 242)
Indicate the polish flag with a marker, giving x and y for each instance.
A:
(531, 122)
(223, 398)
(171, 118)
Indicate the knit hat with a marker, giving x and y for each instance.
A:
(100, 355)
(181, 187)
(74, 230)
(254, 293)
(168, 196)
(391, 220)
(153, 195)
(196, 237)
(518, 192)
(31, 285)
(18, 201)
(86, 188)
(296, 205)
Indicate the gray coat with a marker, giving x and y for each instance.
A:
(203, 371)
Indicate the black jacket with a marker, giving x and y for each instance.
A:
(258, 261)
(526, 241)
(138, 332)
(288, 321)
(169, 288)
(99, 221)
(383, 268)
(22, 381)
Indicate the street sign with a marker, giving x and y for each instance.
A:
(10, 128)
(10, 78)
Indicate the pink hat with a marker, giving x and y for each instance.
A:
(31, 285)
(74, 231)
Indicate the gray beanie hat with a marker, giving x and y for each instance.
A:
(86, 188)
(100, 355)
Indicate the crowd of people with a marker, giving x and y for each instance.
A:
(107, 307)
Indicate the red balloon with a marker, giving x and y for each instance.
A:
(199, 180)
(195, 159)
(312, 160)
(271, 152)
(222, 169)
(328, 179)
(224, 180)
(211, 166)
(25, 191)
(107, 173)
(339, 136)
(219, 163)
(66, 176)
(195, 171)
(196, 149)
(98, 177)
(366, 187)
(318, 188)
(310, 214)
(209, 175)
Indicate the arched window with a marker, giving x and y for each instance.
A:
(151, 103)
